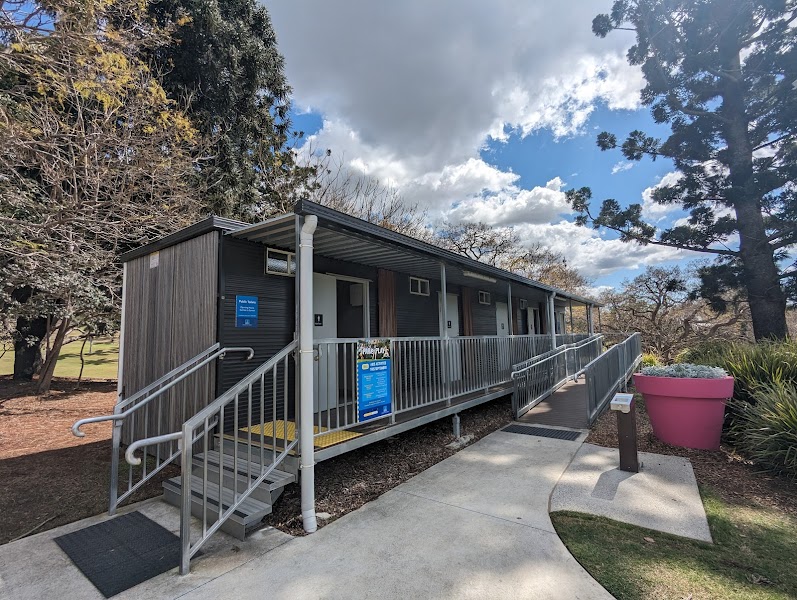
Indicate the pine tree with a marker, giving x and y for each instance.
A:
(721, 74)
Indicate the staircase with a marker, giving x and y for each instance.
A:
(230, 476)
(236, 475)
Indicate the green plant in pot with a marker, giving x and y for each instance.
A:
(686, 403)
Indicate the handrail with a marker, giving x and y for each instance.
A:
(211, 408)
(220, 353)
(542, 375)
(158, 439)
(238, 387)
(527, 364)
(144, 391)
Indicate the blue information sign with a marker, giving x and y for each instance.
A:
(374, 388)
(246, 311)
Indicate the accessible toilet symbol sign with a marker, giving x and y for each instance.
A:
(246, 311)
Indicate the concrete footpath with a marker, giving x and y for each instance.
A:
(473, 526)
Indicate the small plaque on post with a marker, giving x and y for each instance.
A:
(622, 402)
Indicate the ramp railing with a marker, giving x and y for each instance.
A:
(540, 376)
(424, 371)
(140, 416)
(610, 372)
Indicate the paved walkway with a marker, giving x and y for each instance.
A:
(566, 407)
(473, 526)
(662, 496)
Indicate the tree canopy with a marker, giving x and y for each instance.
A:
(95, 162)
(222, 61)
(658, 304)
(721, 74)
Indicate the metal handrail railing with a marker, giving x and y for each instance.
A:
(127, 409)
(198, 428)
(126, 413)
(540, 376)
(610, 372)
(425, 371)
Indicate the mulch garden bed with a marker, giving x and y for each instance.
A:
(730, 475)
(48, 477)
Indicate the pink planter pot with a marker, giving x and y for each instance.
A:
(686, 412)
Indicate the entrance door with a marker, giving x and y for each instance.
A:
(534, 320)
(325, 319)
(452, 327)
(502, 318)
(502, 327)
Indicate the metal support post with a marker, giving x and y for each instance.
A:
(625, 407)
(446, 346)
(457, 433)
(552, 319)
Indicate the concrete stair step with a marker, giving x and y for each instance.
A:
(247, 516)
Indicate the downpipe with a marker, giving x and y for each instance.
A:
(306, 449)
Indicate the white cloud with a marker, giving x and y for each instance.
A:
(432, 87)
(412, 91)
(586, 250)
(623, 165)
(513, 206)
(654, 211)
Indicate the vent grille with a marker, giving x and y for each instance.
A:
(557, 434)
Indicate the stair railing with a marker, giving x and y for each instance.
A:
(254, 413)
(137, 408)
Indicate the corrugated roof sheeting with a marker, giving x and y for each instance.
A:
(347, 238)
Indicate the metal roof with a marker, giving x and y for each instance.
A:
(348, 238)
(202, 227)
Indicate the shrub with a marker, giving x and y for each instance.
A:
(766, 430)
(650, 360)
(752, 365)
(686, 370)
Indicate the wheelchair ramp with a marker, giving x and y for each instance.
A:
(566, 407)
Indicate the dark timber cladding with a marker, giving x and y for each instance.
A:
(170, 316)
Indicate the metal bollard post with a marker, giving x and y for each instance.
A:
(626, 431)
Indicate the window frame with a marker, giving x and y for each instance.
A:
(290, 259)
(420, 281)
(485, 298)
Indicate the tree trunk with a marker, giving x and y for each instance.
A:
(46, 377)
(27, 339)
(759, 271)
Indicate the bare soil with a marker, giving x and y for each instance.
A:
(730, 476)
(50, 477)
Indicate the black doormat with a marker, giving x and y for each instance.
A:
(122, 552)
(558, 434)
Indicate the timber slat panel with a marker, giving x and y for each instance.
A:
(170, 316)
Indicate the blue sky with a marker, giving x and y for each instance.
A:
(480, 114)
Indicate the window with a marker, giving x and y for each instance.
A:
(419, 287)
(523, 304)
(484, 297)
(279, 262)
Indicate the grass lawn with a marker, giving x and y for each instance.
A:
(100, 362)
(753, 555)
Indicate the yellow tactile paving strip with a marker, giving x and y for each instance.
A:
(320, 441)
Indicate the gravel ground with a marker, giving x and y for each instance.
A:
(730, 475)
(346, 482)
